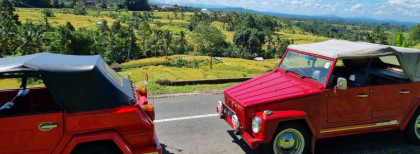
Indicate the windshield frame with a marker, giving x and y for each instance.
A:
(333, 60)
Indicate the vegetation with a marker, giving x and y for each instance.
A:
(127, 32)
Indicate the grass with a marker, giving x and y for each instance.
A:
(417, 46)
(155, 60)
(9, 83)
(229, 68)
(154, 88)
(302, 38)
(62, 16)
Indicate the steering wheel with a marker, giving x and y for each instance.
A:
(301, 72)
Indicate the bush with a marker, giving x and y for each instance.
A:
(48, 13)
(79, 10)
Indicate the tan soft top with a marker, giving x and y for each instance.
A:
(409, 57)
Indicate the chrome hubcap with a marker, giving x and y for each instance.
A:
(289, 141)
(417, 127)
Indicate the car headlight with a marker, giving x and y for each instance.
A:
(256, 124)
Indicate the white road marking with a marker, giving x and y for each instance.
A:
(186, 118)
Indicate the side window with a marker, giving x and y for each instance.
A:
(369, 71)
(386, 70)
(19, 96)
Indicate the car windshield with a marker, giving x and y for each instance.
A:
(306, 66)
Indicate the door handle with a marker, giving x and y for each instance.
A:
(404, 91)
(46, 126)
(362, 95)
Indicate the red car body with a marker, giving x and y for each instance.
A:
(47, 126)
(283, 99)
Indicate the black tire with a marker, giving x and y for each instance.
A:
(287, 131)
(413, 128)
(97, 149)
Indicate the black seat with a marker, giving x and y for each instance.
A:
(360, 78)
(19, 104)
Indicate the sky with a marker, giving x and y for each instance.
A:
(399, 10)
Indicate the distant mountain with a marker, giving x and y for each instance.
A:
(328, 17)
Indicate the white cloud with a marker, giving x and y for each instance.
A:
(384, 9)
(355, 7)
(397, 1)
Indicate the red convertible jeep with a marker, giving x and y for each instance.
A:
(306, 97)
(84, 107)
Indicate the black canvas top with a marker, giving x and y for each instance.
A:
(77, 83)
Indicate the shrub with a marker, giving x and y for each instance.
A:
(48, 13)
(79, 10)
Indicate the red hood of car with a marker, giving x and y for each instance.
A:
(269, 87)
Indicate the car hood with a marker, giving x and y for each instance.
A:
(269, 87)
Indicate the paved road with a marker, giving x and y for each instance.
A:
(188, 124)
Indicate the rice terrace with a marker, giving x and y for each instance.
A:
(251, 76)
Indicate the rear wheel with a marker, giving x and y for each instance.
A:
(291, 138)
(413, 128)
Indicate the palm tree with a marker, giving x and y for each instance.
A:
(156, 38)
(167, 39)
(7, 33)
(130, 38)
(145, 32)
(30, 37)
(182, 41)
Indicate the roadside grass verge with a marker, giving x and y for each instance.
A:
(156, 89)
(228, 68)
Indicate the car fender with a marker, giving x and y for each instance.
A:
(270, 123)
(413, 108)
(99, 136)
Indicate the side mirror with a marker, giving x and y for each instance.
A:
(341, 84)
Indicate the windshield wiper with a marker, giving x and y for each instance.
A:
(310, 77)
(287, 71)
(302, 76)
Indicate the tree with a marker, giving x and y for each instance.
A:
(47, 13)
(70, 26)
(379, 35)
(6, 11)
(30, 38)
(55, 3)
(157, 34)
(167, 40)
(401, 41)
(415, 34)
(104, 26)
(209, 39)
(250, 39)
(79, 10)
(182, 42)
(116, 26)
(135, 5)
(145, 32)
(131, 38)
(7, 35)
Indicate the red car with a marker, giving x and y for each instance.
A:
(328, 89)
(85, 107)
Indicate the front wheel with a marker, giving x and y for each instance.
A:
(413, 128)
(291, 138)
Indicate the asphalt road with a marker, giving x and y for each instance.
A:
(188, 124)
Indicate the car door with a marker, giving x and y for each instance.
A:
(352, 104)
(31, 133)
(390, 102)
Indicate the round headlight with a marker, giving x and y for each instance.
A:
(256, 124)
(220, 107)
(235, 122)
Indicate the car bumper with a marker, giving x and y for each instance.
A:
(157, 149)
(252, 142)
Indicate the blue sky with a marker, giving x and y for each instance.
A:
(400, 10)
